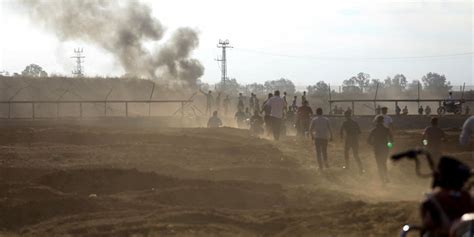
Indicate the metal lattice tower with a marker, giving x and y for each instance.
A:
(79, 71)
(224, 44)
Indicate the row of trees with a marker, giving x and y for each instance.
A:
(232, 87)
(362, 82)
(357, 84)
(32, 70)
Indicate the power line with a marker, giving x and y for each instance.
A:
(355, 58)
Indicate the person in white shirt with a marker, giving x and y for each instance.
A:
(467, 131)
(277, 104)
(321, 133)
(387, 120)
(450, 96)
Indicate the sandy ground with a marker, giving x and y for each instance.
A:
(58, 180)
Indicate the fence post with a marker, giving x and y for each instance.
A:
(80, 110)
(126, 109)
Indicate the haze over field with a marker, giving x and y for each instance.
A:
(305, 41)
(147, 140)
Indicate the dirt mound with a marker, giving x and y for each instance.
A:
(105, 181)
(196, 182)
(218, 196)
(33, 193)
(18, 215)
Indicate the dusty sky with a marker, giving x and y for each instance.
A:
(305, 41)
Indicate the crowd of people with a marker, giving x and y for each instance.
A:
(440, 211)
(274, 115)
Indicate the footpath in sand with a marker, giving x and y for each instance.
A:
(60, 180)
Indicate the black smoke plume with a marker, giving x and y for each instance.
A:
(122, 28)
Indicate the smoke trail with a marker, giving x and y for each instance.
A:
(121, 29)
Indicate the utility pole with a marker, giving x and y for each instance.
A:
(79, 71)
(224, 44)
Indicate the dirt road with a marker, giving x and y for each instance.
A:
(79, 180)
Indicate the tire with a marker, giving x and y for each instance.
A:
(457, 110)
(441, 110)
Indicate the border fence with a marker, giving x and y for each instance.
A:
(80, 103)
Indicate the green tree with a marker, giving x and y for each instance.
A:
(362, 80)
(400, 81)
(320, 89)
(396, 84)
(412, 87)
(350, 86)
(34, 70)
(232, 87)
(436, 83)
(374, 83)
(282, 85)
(255, 88)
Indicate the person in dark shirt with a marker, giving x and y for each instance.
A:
(428, 110)
(398, 110)
(252, 101)
(267, 109)
(445, 205)
(218, 101)
(247, 113)
(349, 110)
(209, 100)
(293, 104)
(433, 137)
(214, 121)
(290, 117)
(381, 139)
(240, 118)
(420, 110)
(303, 119)
(352, 130)
(226, 104)
(405, 110)
(256, 123)
(240, 104)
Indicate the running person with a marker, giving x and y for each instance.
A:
(352, 130)
(321, 133)
(379, 138)
(432, 139)
(277, 105)
(387, 120)
(303, 119)
(256, 123)
(266, 109)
